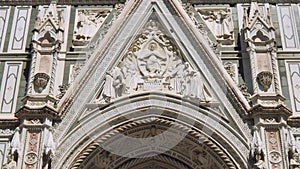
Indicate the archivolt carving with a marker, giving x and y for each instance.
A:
(153, 63)
(200, 138)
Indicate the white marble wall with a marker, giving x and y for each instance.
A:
(19, 30)
(10, 86)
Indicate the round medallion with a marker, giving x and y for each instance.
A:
(275, 157)
(31, 158)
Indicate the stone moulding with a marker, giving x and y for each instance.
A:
(95, 145)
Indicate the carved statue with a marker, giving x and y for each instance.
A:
(257, 150)
(294, 161)
(260, 163)
(12, 164)
(194, 85)
(131, 73)
(114, 84)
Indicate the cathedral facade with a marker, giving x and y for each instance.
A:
(149, 84)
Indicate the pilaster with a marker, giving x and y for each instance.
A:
(271, 146)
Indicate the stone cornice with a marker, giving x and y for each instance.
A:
(60, 2)
(44, 112)
(270, 111)
(294, 121)
(111, 2)
(236, 1)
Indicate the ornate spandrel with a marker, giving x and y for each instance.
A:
(153, 63)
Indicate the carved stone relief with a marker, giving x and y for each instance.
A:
(219, 21)
(244, 89)
(40, 81)
(231, 69)
(201, 27)
(264, 79)
(153, 63)
(87, 23)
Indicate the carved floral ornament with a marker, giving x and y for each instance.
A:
(153, 63)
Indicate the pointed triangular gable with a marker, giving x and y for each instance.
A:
(153, 62)
(152, 49)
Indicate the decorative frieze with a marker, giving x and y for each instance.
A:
(10, 86)
(19, 31)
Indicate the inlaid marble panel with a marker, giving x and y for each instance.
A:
(4, 18)
(9, 87)
(294, 82)
(288, 29)
(19, 29)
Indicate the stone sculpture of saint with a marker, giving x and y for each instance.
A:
(113, 86)
(294, 161)
(195, 85)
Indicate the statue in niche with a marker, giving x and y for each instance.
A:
(220, 22)
(85, 26)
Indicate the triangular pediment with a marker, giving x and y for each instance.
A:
(153, 49)
(154, 62)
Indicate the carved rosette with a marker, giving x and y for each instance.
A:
(264, 79)
(40, 81)
(31, 158)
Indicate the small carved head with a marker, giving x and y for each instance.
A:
(264, 79)
(40, 81)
